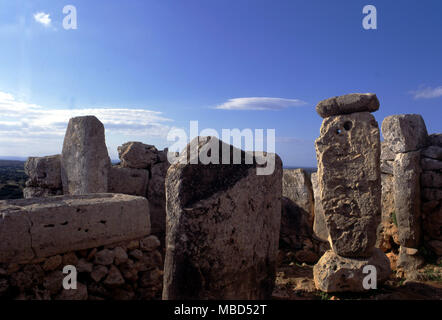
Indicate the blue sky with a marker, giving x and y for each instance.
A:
(144, 67)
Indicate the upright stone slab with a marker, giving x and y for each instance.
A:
(223, 223)
(319, 224)
(137, 155)
(348, 152)
(85, 161)
(405, 132)
(407, 198)
(296, 186)
(44, 172)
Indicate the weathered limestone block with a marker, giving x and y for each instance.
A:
(44, 172)
(296, 225)
(137, 155)
(296, 186)
(431, 194)
(156, 194)
(386, 153)
(128, 181)
(346, 104)
(348, 152)
(431, 164)
(223, 223)
(85, 161)
(38, 228)
(407, 198)
(433, 152)
(37, 192)
(387, 230)
(387, 166)
(334, 273)
(432, 224)
(436, 247)
(319, 224)
(405, 132)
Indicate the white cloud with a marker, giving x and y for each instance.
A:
(43, 18)
(427, 93)
(29, 129)
(260, 103)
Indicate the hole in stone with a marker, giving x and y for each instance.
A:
(103, 221)
(64, 223)
(49, 226)
(338, 131)
(348, 125)
(86, 230)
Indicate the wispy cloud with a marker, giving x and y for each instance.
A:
(25, 126)
(260, 103)
(427, 93)
(43, 18)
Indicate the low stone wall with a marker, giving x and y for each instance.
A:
(105, 236)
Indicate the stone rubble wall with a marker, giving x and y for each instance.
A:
(105, 236)
(411, 165)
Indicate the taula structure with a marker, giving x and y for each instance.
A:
(349, 176)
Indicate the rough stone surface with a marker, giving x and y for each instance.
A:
(223, 223)
(295, 225)
(157, 198)
(346, 104)
(435, 139)
(128, 181)
(334, 273)
(348, 152)
(79, 294)
(319, 224)
(44, 172)
(409, 259)
(407, 198)
(433, 222)
(436, 247)
(431, 179)
(36, 228)
(387, 230)
(387, 166)
(296, 186)
(386, 153)
(433, 152)
(37, 192)
(431, 164)
(137, 155)
(405, 132)
(85, 161)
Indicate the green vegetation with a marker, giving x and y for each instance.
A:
(12, 179)
(324, 295)
(393, 218)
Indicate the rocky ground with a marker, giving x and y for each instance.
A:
(295, 282)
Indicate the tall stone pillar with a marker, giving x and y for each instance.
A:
(349, 176)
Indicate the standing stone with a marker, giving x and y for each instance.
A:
(319, 225)
(297, 187)
(85, 161)
(348, 152)
(223, 223)
(407, 198)
(137, 155)
(405, 132)
(435, 139)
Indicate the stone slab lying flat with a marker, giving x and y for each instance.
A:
(346, 104)
(42, 227)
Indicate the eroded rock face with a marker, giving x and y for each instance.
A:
(334, 273)
(296, 186)
(85, 161)
(38, 228)
(37, 192)
(387, 230)
(223, 224)
(405, 132)
(44, 172)
(319, 224)
(407, 198)
(137, 155)
(346, 104)
(128, 181)
(348, 152)
(157, 197)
